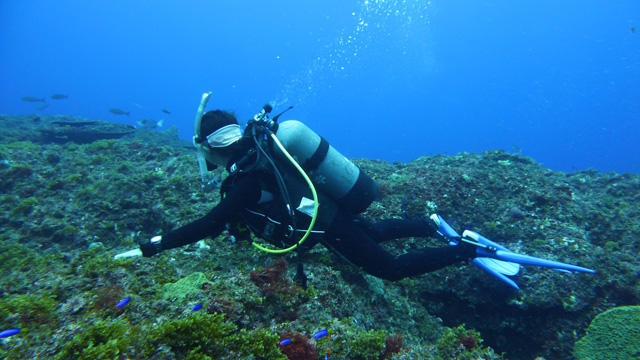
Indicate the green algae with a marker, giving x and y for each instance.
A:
(103, 339)
(29, 311)
(19, 258)
(210, 337)
(185, 286)
(347, 340)
(95, 262)
(194, 337)
(365, 345)
(25, 207)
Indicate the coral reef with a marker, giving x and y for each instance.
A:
(614, 334)
(67, 208)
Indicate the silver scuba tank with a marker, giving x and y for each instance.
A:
(331, 172)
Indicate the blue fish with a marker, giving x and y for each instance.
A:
(9, 332)
(320, 334)
(285, 342)
(196, 307)
(123, 302)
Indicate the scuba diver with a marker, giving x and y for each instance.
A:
(285, 184)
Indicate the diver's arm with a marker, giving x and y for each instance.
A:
(211, 224)
(244, 193)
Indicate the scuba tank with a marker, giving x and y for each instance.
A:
(331, 172)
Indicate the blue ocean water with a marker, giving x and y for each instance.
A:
(390, 80)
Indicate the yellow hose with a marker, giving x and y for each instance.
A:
(315, 201)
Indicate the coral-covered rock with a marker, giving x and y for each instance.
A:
(83, 132)
(613, 334)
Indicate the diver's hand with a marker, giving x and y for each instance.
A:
(147, 249)
(152, 247)
(130, 253)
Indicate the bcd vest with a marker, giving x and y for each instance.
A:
(270, 218)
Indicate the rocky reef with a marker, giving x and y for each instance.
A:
(66, 207)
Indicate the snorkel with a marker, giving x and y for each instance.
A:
(208, 183)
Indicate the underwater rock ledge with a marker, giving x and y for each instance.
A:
(66, 208)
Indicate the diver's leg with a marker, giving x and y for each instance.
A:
(390, 229)
(348, 239)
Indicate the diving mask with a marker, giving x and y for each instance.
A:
(224, 136)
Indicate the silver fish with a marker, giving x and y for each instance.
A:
(150, 124)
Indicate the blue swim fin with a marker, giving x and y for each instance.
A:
(496, 259)
(498, 268)
(490, 249)
(445, 230)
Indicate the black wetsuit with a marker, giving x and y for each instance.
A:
(351, 236)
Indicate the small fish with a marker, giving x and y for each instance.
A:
(32, 99)
(320, 334)
(633, 30)
(285, 342)
(59, 96)
(166, 111)
(150, 124)
(196, 307)
(9, 332)
(123, 302)
(119, 112)
(42, 107)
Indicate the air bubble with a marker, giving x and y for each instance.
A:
(400, 26)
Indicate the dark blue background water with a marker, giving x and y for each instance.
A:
(393, 80)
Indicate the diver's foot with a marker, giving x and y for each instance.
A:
(443, 229)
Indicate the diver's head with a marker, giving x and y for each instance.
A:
(219, 132)
(211, 128)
